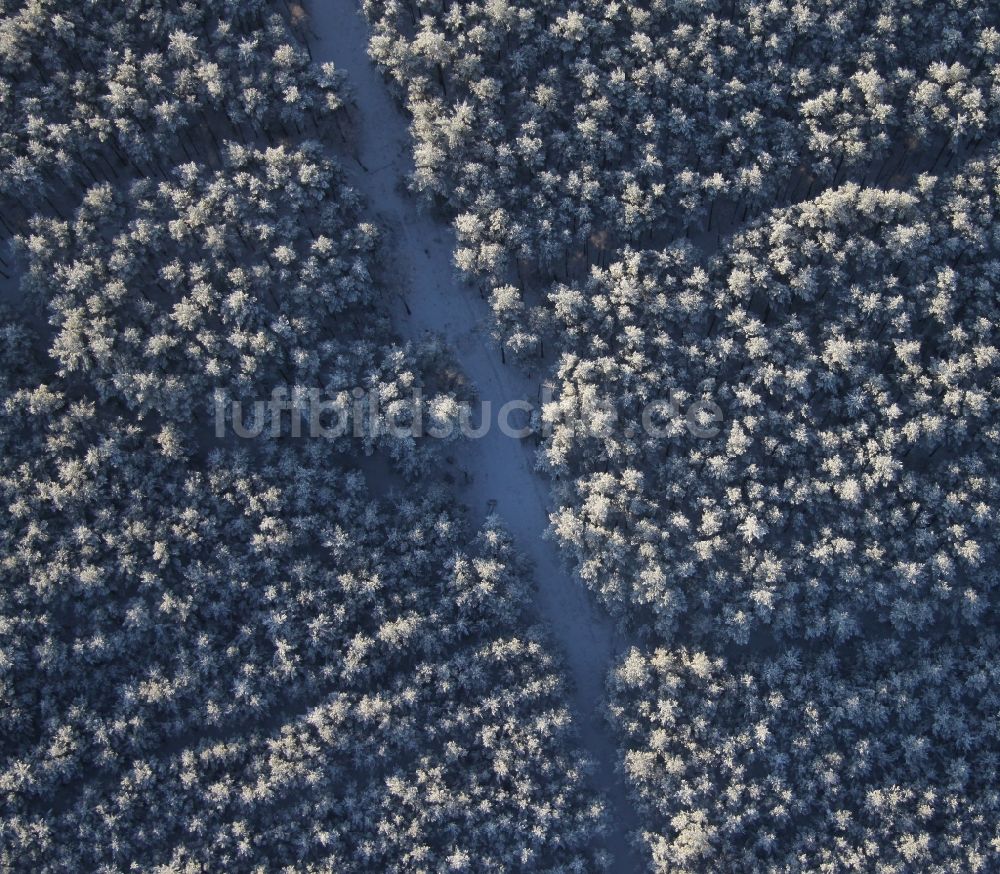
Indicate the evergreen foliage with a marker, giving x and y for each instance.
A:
(218, 655)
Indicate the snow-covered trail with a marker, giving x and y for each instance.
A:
(418, 255)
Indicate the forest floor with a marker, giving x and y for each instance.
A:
(417, 252)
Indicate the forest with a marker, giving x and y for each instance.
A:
(789, 210)
(222, 655)
(275, 652)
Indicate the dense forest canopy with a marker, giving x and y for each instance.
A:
(819, 580)
(554, 133)
(218, 653)
(788, 211)
(223, 654)
(256, 666)
(858, 371)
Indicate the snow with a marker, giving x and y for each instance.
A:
(417, 251)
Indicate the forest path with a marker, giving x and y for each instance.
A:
(417, 252)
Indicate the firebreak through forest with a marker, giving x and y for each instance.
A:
(295, 654)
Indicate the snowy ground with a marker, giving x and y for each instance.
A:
(418, 254)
